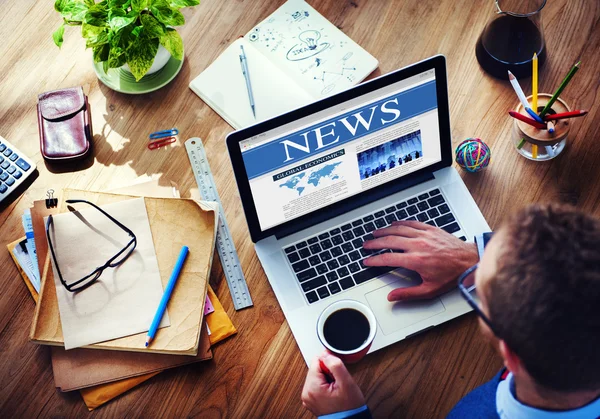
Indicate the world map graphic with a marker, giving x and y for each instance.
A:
(311, 179)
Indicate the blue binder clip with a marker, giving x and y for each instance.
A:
(163, 134)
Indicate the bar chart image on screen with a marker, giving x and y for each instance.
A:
(390, 155)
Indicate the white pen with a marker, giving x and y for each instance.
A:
(246, 72)
(518, 90)
(522, 97)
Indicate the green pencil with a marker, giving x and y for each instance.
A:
(560, 89)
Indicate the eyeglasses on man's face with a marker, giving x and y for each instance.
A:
(467, 287)
(113, 262)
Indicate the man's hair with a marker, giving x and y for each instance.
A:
(544, 301)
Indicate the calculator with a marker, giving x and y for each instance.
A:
(15, 167)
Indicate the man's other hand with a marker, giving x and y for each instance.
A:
(323, 396)
(439, 257)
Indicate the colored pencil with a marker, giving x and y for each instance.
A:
(518, 90)
(534, 151)
(534, 115)
(560, 89)
(328, 375)
(572, 114)
(527, 120)
(162, 306)
(551, 127)
(534, 84)
(521, 144)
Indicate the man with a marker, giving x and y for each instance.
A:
(538, 283)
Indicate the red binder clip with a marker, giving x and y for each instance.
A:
(160, 142)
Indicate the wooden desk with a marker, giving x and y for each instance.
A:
(260, 372)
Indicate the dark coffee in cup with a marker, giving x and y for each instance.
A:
(346, 329)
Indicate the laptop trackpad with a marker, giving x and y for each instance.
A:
(392, 317)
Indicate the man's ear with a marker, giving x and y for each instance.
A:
(511, 361)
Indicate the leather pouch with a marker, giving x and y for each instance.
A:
(64, 124)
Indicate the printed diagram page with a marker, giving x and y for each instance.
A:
(311, 50)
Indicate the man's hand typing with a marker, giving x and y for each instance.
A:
(439, 257)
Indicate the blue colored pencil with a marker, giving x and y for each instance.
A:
(534, 115)
(167, 294)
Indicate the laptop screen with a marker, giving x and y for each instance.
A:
(344, 150)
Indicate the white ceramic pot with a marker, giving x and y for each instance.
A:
(161, 59)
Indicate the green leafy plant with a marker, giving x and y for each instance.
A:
(125, 31)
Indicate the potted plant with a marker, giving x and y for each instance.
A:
(125, 31)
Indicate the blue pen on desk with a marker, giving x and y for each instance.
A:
(167, 294)
(246, 73)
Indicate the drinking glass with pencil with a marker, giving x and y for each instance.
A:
(542, 120)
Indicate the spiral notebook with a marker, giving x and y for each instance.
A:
(294, 57)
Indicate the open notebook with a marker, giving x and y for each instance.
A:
(294, 57)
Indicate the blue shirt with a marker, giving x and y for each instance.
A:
(496, 399)
(508, 406)
(344, 414)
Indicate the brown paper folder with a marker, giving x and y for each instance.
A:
(174, 223)
(81, 368)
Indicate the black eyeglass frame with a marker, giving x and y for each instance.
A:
(73, 287)
(466, 294)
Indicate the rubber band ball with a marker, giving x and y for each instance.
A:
(473, 155)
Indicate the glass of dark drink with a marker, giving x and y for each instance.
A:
(347, 329)
(511, 37)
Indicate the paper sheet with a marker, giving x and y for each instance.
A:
(149, 186)
(28, 227)
(123, 300)
(21, 252)
(208, 307)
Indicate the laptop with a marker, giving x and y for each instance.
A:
(317, 181)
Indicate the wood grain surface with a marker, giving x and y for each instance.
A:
(260, 372)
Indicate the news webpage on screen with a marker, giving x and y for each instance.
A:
(345, 150)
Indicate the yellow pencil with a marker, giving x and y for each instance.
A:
(534, 84)
(534, 151)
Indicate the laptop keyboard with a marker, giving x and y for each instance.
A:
(331, 262)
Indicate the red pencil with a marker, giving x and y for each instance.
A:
(326, 372)
(527, 120)
(572, 114)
